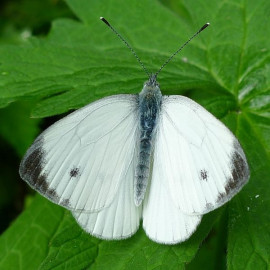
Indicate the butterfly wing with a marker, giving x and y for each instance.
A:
(121, 219)
(81, 160)
(163, 222)
(203, 164)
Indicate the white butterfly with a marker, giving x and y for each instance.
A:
(162, 159)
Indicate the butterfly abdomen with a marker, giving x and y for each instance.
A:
(142, 169)
(149, 107)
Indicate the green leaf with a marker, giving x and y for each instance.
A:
(17, 130)
(79, 63)
(226, 69)
(19, 18)
(27, 240)
(16, 117)
(212, 254)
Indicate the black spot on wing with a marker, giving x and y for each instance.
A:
(74, 172)
(204, 175)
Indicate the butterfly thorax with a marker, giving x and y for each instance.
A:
(149, 108)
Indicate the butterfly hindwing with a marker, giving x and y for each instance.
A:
(203, 163)
(163, 222)
(121, 218)
(81, 160)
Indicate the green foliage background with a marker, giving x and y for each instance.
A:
(78, 60)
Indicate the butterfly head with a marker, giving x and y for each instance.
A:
(151, 88)
(152, 82)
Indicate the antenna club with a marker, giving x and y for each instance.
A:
(206, 25)
(105, 21)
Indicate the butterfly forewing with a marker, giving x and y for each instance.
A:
(203, 163)
(80, 161)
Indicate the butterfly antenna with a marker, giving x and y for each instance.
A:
(125, 42)
(172, 56)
